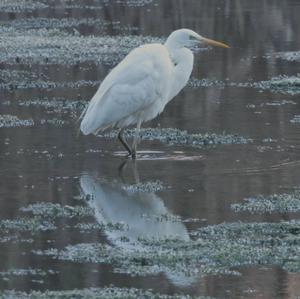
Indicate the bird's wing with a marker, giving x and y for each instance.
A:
(131, 86)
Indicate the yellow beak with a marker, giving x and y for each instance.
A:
(214, 43)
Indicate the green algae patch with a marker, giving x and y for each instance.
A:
(241, 244)
(32, 225)
(54, 211)
(14, 239)
(295, 119)
(12, 121)
(69, 23)
(48, 209)
(293, 56)
(147, 187)
(95, 293)
(281, 84)
(54, 23)
(177, 137)
(17, 6)
(216, 249)
(205, 82)
(13, 273)
(90, 227)
(54, 105)
(54, 46)
(17, 79)
(280, 203)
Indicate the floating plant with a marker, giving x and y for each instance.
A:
(94, 293)
(12, 121)
(32, 225)
(48, 209)
(177, 137)
(295, 119)
(17, 6)
(281, 203)
(54, 46)
(217, 249)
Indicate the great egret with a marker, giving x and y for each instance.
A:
(141, 85)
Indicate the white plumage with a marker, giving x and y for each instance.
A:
(141, 85)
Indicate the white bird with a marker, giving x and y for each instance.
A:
(141, 85)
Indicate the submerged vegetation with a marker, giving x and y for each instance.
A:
(281, 84)
(217, 249)
(177, 137)
(12, 121)
(53, 46)
(280, 203)
(17, 6)
(96, 293)
(56, 210)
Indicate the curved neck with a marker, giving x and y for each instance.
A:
(183, 60)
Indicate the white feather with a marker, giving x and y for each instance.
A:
(131, 88)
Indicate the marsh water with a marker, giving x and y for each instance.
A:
(53, 56)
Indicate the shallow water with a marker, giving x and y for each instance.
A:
(64, 197)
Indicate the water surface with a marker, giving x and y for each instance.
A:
(58, 52)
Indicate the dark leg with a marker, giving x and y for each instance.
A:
(123, 141)
(136, 140)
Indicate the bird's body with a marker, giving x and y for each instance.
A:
(137, 88)
(140, 86)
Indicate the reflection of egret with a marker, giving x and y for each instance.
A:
(144, 213)
(140, 212)
(138, 88)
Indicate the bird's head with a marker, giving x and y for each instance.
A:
(189, 38)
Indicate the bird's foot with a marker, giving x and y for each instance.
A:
(133, 155)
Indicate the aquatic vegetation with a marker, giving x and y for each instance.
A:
(196, 83)
(49, 209)
(54, 105)
(16, 6)
(279, 103)
(69, 23)
(12, 121)
(53, 23)
(55, 210)
(89, 227)
(295, 119)
(95, 293)
(149, 186)
(177, 137)
(289, 56)
(217, 249)
(281, 84)
(281, 203)
(55, 122)
(32, 225)
(135, 3)
(14, 239)
(25, 272)
(54, 46)
(15, 79)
